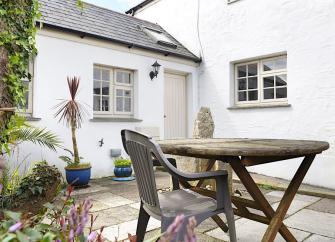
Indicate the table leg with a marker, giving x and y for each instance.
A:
(210, 165)
(257, 195)
(287, 199)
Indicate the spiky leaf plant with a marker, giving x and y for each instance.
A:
(73, 113)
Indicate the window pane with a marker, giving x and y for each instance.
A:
(281, 80)
(269, 93)
(268, 65)
(127, 93)
(119, 104)
(252, 70)
(119, 92)
(96, 87)
(97, 74)
(252, 83)
(281, 92)
(242, 71)
(242, 96)
(127, 104)
(96, 103)
(281, 63)
(242, 84)
(123, 77)
(253, 95)
(105, 88)
(105, 104)
(105, 75)
(268, 81)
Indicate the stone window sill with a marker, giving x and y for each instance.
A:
(114, 119)
(272, 105)
(231, 1)
(29, 117)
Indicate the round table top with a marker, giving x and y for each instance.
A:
(216, 148)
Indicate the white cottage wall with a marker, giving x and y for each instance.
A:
(61, 55)
(304, 29)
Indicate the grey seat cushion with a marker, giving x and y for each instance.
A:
(185, 202)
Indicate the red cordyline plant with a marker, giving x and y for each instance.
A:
(73, 113)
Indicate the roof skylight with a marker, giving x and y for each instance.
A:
(160, 37)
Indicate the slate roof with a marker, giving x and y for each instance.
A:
(107, 24)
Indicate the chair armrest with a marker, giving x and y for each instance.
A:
(202, 175)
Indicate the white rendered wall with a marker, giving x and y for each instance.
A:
(58, 58)
(305, 29)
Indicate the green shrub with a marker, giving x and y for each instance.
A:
(121, 162)
(36, 188)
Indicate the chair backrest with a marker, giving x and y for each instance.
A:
(141, 151)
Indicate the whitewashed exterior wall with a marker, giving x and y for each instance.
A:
(61, 55)
(304, 29)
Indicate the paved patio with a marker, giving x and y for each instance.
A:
(116, 204)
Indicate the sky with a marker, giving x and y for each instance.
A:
(117, 5)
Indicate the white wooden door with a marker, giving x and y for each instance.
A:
(175, 116)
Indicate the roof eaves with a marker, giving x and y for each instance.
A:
(133, 10)
(126, 43)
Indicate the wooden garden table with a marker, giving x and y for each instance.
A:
(240, 153)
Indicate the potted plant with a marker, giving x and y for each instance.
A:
(73, 113)
(122, 169)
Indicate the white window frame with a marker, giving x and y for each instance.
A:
(113, 85)
(260, 85)
(29, 110)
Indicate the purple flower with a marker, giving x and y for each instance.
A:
(15, 227)
(173, 229)
(92, 236)
(190, 235)
(71, 235)
(0, 187)
(175, 226)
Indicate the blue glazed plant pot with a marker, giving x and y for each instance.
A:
(78, 176)
(123, 171)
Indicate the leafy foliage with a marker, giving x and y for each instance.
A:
(33, 186)
(121, 162)
(67, 224)
(39, 136)
(69, 160)
(20, 131)
(11, 178)
(17, 37)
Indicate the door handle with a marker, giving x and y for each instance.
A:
(164, 116)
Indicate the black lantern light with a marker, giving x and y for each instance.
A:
(155, 70)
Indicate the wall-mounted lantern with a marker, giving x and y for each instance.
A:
(155, 70)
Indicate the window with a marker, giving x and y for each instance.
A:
(113, 91)
(27, 107)
(160, 37)
(261, 81)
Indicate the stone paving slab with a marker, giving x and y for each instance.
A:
(314, 222)
(319, 238)
(324, 205)
(121, 231)
(296, 206)
(135, 205)
(117, 205)
(104, 219)
(98, 206)
(111, 199)
(88, 190)
(251, 231)
(281, 184)
(299, 197)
